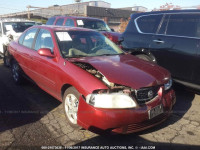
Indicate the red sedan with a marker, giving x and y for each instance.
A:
(85, 22)
(101, 87)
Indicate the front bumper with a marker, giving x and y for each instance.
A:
(124, 120)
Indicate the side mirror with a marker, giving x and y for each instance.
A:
(112, 30)
(46, 52)
(9, 28)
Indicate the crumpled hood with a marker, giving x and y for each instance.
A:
(128, 70)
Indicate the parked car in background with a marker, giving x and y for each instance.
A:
(11, 29)
(85, 22)
(169, 38)
(101, 87)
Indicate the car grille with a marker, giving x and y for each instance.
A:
(143, 125)
(146, 94)
(147, 124)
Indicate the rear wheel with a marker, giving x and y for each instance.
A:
(144, 57)
(16, 72)
(6, 58)
(70, 104)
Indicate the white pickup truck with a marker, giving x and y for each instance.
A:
(11, 29)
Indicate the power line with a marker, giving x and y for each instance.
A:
(11, 8)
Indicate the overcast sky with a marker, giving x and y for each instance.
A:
(11, 6)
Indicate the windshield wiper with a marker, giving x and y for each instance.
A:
(108, 54)
(102, 30)
(76, 56)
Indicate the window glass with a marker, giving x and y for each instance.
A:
(85, 44)
(163, 27)
(93, 24)
(29, 37)
(18, 27)
(21, 39)
(149, 24)
(198, 30)
(60, 22)
(184, 25)
(50, 21)
(70, 23)
(44, 40)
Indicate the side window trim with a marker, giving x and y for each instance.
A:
(33, 39)
(71, 21)
(51, 21)
(138, 29)
(59, 20)
(161, 23)
(23, 36)
(137, 26)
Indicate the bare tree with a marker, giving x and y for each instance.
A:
(167, 6)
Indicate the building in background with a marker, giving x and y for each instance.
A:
(135, 8)
(139, 8)
(97, 9)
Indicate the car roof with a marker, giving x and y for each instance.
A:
(165, 12)
(62, 28)
(77, 17)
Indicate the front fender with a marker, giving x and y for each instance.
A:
(82, 80)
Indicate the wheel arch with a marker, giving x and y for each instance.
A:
(64, 88)
(143, 51)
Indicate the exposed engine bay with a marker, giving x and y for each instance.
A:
(112, 86)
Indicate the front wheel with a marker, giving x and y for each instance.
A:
(16, 72)
(70, 103)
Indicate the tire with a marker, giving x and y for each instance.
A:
(144, 57)
(16, 73)
(6, 59)
(71, 99)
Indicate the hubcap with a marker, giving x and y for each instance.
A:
(15, 73)
(71, 108)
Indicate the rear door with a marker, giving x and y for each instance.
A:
(196, 73)
(140, 31)
(175, 45)
(24, 52)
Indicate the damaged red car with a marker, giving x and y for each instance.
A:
(101, 87)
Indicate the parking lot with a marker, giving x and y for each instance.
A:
(30, 118)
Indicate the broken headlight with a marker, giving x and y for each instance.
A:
(111, 100)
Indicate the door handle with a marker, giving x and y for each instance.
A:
(159, 41)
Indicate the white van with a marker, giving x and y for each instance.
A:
(11, 29)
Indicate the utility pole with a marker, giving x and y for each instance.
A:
(78, 1)
(28, 7)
